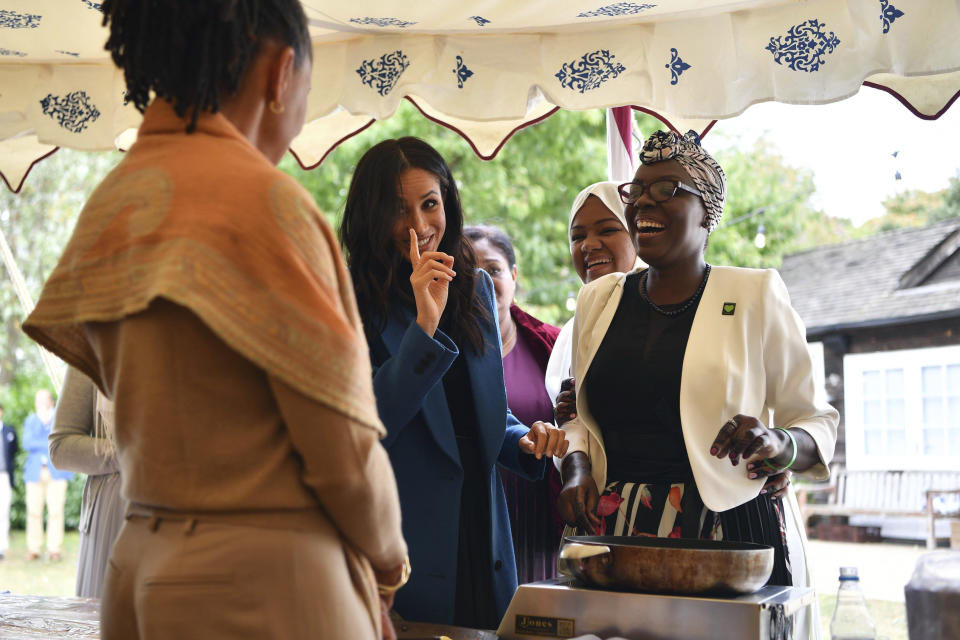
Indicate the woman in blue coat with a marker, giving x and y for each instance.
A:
(431, 324)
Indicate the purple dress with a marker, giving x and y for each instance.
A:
(534, 522)
(526, 395)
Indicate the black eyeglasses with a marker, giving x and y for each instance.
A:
(659, 190)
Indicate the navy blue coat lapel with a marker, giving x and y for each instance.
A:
(434, 410)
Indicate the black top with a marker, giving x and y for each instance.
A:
(475, 605)
(633, 390)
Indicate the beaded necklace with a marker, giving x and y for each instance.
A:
(683, 306)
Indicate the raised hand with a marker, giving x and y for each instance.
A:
(544, 439)
(431, 277)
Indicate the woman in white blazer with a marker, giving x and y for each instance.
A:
(599, 245)
(694, 382)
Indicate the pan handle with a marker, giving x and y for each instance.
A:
(576, 560)
(577, 551)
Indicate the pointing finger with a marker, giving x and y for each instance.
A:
(414, 249)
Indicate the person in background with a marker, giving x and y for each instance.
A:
(683, 369)
(599, 245)
(83, 440)
(431, 323)
(44, 482)
(205, 295)
(527, 343)
(8, 440)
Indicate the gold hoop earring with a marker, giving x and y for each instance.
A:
(276, 107)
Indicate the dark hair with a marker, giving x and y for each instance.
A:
(381, 275)
(496, 237)
(196, 52)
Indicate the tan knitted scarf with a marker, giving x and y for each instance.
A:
(205, 221)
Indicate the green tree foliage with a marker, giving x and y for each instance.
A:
(915, 208)
(762, 189)
(911, 208)
(950, 208)
(37, 223)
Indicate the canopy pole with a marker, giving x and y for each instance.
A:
(26, 302)
(621, 164)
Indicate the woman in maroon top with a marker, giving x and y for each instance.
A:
(527, 343)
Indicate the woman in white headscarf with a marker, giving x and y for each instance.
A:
(599, 244)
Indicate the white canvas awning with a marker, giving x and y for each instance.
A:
(488, 67)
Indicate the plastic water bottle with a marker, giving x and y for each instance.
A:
(851, 619)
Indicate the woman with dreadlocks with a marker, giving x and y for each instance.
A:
(203, 293)
(682, 371)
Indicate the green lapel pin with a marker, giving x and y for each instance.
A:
(729, 308)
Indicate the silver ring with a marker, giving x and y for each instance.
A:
(732, 422)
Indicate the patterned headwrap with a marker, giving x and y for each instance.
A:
(706, 174)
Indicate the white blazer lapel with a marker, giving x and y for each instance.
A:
(716, 384)
(599, 323)
(598, 310)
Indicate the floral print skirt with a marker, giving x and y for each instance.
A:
(676, 510)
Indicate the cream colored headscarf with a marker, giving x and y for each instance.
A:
(558, 367)
(610, 197)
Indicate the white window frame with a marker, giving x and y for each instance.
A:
(815, 349)
(912, 362)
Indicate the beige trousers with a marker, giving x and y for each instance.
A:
(175, 578)
(55, 493)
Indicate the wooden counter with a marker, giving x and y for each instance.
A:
(42, 617)
(49, 618)
(423, 631)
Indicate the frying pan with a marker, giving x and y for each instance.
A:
(668, 565)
